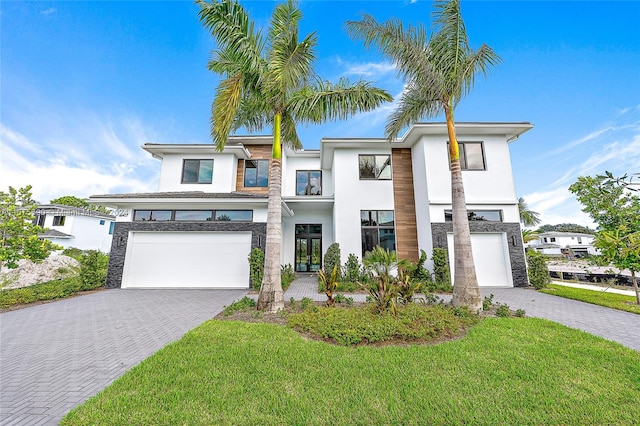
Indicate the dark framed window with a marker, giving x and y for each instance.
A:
(197, 171)
(58, 220)
(256, 173)
(111, 226)
(308, 182)
(374, 167)
(378, 229)
(194, 215)
(477, 215)
(471, 155)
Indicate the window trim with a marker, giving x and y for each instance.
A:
(197, 182)
(244, 172)
(376, 176)
(308, 172)
(463, 155)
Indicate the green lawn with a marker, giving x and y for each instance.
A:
(610, 300)
(505, 371)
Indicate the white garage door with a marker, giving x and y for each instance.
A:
(187, 260)
(491, 258)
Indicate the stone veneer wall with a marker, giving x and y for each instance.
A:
(514, 242)
(121, 236)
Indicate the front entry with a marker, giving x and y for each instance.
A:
(308, 248)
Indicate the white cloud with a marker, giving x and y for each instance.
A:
(49, 11)
(369, 70)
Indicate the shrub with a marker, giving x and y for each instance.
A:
(487, 302)
(352, 268)
(537, 271)
(407, 286)
(441, 267)
(383, 289)
(73, 252)
(287, 276)
(243, 304)
(50, 290)
(93, 269)
(256, 267)
(420, 273)
(503, 310)
(520, 313)
(332, 257)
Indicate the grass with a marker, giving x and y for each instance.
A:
(610, 300)
(505, 371)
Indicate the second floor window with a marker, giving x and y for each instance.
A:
(58, 220)
(197, 171)
(374, 167)
(477, 215)
(471, 156)
(256, 173)
(308, 182)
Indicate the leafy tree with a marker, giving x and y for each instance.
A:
(270, 82)
(527, 217)
(70, 200)
(439, 71)
(529, 235)
(18, 235)
(566, 227)
(616, 209)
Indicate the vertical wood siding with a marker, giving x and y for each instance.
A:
(405, 205)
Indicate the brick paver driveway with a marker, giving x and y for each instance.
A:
(55, 356)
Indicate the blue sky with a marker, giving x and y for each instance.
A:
(84, 84)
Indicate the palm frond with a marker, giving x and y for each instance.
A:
(290, 63)
(224, 108)
(321, 101)
(289, 134)
(415, 103)
(252, 113)
(284, 22)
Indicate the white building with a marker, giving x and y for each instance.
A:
(211, 208)
(568, 244)
(70, 226)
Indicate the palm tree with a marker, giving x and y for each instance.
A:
(269, 81)
(529, 235)
(528, 217)
(438, 71)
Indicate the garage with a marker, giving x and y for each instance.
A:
(491, 258)
(187, 260)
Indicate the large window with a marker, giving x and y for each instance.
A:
(256, 173)
(197, 171)
(378, 229)
(374, 166)
(308, 182)
(194, 215)
(477, 215)
(471, 156)
(58, 220)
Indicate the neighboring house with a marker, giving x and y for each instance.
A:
(567, 244)
(211, 207)
(75, 227)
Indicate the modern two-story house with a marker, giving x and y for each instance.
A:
(565, 244)
(211, 207)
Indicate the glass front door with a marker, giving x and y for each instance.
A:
(308, 248)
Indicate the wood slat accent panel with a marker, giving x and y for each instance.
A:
(258, 152)
(405, 205)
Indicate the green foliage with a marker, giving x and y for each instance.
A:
(566, 227)
(441, 273)
(407, 286)
(70, 200)
(241, 305)
(412, 322)
(383, 289)
(56, 289)
(18, 235)
(332, 257)
(256, 267)
(93, 269)
(527, 217)
(537, 269)
(503, 310)
(621, 302)
(420, 273)
(487, 302)
(352, 268)
(287, 276)
(330, 283)
(306, 303)
(520, 313)
(340, 298)
(73, 252)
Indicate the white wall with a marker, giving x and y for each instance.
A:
(303, 216)
(353, 195)
(87, 232)
(291, 165)
(421, 195)
(224, 173)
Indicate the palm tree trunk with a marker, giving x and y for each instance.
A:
(465, 287)
(271, 298)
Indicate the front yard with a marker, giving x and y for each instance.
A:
(504, 371)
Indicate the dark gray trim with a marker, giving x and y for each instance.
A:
(122, 229)
(514, 242)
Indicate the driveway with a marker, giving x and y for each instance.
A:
(56, 355)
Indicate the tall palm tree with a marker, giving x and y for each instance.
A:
(269, 81)
(439, 70)
(527, 217)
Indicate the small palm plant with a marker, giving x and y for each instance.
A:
(330, 283)
(407, 286)
(383, 289)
